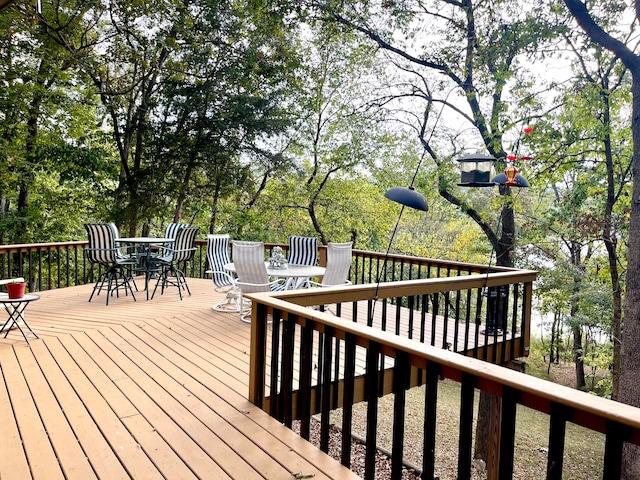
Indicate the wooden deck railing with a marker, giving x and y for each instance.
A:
(481, 318)
(307, 362)
(62, 264)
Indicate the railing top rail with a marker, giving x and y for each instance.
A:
(450, 263)
(30, 246)
(369, 291)
(588, 410)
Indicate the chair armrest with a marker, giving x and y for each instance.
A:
(219, 274)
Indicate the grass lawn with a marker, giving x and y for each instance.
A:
(584, 449)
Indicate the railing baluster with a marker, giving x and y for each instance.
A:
(336, 372)
(614, 444)
(466, 426)
(275, 409)
(326, 386)
(423, 317)
(288, 366)
(349, 386)
(467, 320)
(456, 324)
(514, 316)
(400, 384)
(479, 305)
(507, 432)
(49, 278)
(319, 371)
(445, 323)
(430, 420)
(411, 305)
(304, 387)
(557, 432)
(371, 387)
(434, 318)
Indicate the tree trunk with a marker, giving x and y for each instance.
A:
(610, 240)
(577, 357)
(629, 385)
(488, 405)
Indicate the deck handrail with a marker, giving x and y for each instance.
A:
(307, 339)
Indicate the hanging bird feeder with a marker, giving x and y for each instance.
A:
(476, 170)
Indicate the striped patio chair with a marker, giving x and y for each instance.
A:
(248, 259)
(303, 251)
(181, 251)
(173, 228)
(223, 281)
(102, 251)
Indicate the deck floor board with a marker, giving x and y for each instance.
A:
(139, 389)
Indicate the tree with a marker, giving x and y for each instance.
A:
(567, 232)
(587, 139)
(338, 136)
(470, 63)
(52, 153)
(197, 89)
(630, 364)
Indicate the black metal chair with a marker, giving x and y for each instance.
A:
(182, 250)
(102, 251)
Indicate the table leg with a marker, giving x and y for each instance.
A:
(15, 310)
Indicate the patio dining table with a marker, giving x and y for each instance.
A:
(144, 254)
(291, 272)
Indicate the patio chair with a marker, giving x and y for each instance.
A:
(339, 257)
(172, 230)
(124, 254)
(248, 259)
(223, 281)
(302, 251)
(102, 251)
(182, 250)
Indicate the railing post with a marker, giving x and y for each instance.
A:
(257, 354)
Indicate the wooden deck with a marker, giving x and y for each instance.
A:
(146, 389)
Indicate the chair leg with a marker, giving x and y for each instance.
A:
(230, 304)
(112, 281)
(245, 313)
(105, 278)
(164, 281)
(127, 280)
(162, 278)
(97, 287)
